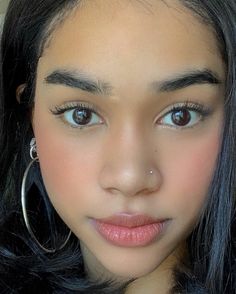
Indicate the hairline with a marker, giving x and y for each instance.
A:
(55, 23)
(58, 20)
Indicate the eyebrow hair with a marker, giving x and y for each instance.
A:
(79, 80)
(194, 77)
(82, 81)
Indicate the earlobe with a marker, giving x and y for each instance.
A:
(32, 120)
(20, 89)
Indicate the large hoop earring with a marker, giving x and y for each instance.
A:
(34, 157)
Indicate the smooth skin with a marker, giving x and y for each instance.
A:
(131, 49)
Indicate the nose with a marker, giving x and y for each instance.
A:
(130, 167)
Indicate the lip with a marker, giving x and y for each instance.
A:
(130, 230)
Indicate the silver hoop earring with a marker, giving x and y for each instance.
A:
(34, 157)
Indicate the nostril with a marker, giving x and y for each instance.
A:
(113, 191)
(145, 192)
(138, 183)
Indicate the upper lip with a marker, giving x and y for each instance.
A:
(129, 220)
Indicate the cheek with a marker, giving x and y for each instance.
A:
(189, 174)
(69, 171)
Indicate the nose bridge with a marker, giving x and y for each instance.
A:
(129, 167)
(128, 146)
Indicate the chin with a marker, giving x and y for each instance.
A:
(131, 269)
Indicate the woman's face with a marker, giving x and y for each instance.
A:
(128, 117)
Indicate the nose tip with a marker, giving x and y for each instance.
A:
(131, 181)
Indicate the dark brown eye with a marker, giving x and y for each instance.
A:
(181, 117)
(184, 116)
(78, 116)
(82, 116)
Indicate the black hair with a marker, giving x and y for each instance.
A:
(26, 268)
(212, 243)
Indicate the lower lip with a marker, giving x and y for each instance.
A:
(130, 237)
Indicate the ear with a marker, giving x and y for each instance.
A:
(32, 119)
(19, 91)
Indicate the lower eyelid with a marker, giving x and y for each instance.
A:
(202, 110)
(202, 116)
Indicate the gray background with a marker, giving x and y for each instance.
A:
(3, 5)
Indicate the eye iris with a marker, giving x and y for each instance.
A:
(82, 116)
(181, 117)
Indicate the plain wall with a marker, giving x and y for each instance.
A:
(3, 5)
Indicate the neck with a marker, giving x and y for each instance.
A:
(161, 280)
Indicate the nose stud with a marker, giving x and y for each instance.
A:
(151, 172)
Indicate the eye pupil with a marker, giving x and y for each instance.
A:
(82, 116)
(181, 117)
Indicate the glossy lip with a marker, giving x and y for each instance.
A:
(130, 230)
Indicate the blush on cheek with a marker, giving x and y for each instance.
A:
(201, 163)
(66, 170)
(191, 175)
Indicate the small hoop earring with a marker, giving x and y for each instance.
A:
(34, 157)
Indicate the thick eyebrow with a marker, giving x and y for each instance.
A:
(194, 77)
(78, 80)
(82, 81)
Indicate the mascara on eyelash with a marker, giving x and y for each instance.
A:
(62, 109)
(203, 110)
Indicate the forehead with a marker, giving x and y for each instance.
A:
(161, 36)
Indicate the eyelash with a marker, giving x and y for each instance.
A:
(60, 110)
(201, 110)
(71, 106)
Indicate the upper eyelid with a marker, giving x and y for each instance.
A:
(60, 111)
(186, 104)
(73, 105)
(194, 105)
(203, 110)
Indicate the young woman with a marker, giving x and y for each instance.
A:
(117, 147)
